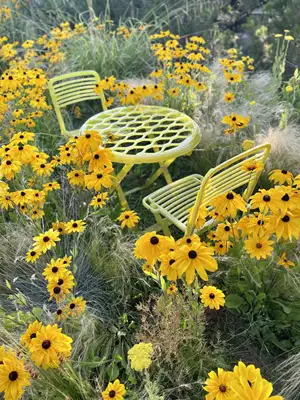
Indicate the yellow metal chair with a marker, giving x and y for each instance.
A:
(172, 203)
(73, 88)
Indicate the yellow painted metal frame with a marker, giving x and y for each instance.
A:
(145, 134)
(73, 88)
(172, 204)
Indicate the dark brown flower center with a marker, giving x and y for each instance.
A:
(59, 312)
(60, 282)
(33, 336)
(13, 376)
(286, 197)
(286, 218)
(87, 135)
(75, 225)
(32, 253)
(154, 240)
(212, 296)
(229, 196)
(284, 171)
(54, 270)
(8, 162)
(96, 156)
(99, 176)
(192, 254)
(46, 344)
(266, 198)
(46, 239)
(258, 245)
(57, 290)
(171, 262)
(222, 388)
(72, 306)
(112, 394)
(227, 228)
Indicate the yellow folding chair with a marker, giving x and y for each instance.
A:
(73, 88)
(179, 202)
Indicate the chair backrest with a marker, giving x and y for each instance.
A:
(227, 177)
(73, 88)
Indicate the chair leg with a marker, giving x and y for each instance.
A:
(163, 223)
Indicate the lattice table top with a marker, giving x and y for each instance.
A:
(145, 134)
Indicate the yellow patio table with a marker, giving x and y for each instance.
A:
(144, 134)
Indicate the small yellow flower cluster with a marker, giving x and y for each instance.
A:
(140, 356)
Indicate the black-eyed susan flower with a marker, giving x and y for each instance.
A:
(147, 268)
(222, 246)
(75, 226)
(54, 269)
(228, 204)
(265, 200)
(45, 241)
(218, 385)
(188, 240)
(99, 178)
(76, 306)
(252, 166)
(76, 177)
(60, 287)
(259, 247)
(49, 346)
(32, 255)
(9, 168)
(236, 121)
(201, 216)
(212, 297)
(60, 227)
(99, 200)
(229, 97)
(48, 187)
(284, 261)
(115, 390)
(172, 289)
(225, 230)
(98, 159)
(61, 314)
(286, 226)
(128, 218)
(258, 224)
(150, 247)
(13, 377)
(42, 168)
(168, 267)
(281, 177)
(197, 257)
(89, 141)
(289, 198)
(30, 333)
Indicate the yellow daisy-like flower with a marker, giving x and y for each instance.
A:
(172, 289)
(13, 378)
(99, 200)
(266, 200)
(49, 346)
(62, 286)
(261, 389)
(140, 356)
(30, 333)
(99, 178)
(147, 268)
(229, 97)
(284, 261)
(285, 226)
(46, 240)
(189, 241)
(114, 390)
(32, 255)
(281, 176)
(60, 227)
(168, 267)
(250, 373)
(252, 165)
(258, 247)
(150, 247)
(197, 257)
(128, 218)
(48, 187)
(75, 226)
(228, 204)
(222, 246)
(54, 269)
(76, 306)
(212, 297)
(218, 385)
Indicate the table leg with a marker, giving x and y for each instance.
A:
(162, 170)
(118, 179)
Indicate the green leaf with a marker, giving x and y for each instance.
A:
(261, 296)
(37, 312)
(8, 284)
(112, 372)
(163, 283)
(233, 301)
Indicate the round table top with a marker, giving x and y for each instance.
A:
(145, 134)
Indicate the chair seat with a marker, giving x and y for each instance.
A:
(174, 201)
